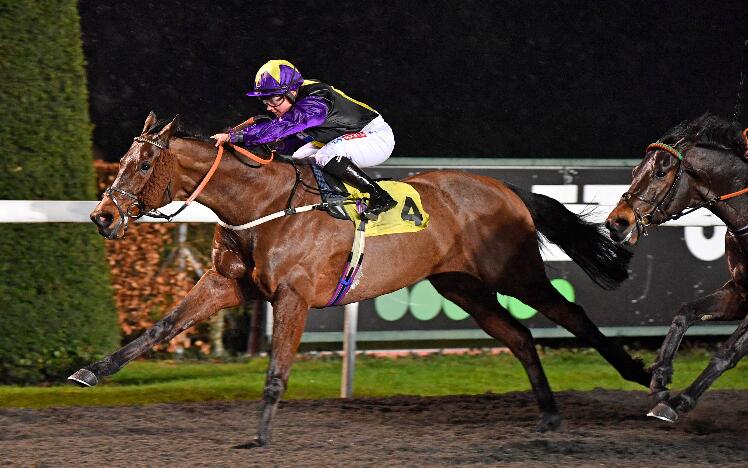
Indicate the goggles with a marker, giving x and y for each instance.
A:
(273, 101)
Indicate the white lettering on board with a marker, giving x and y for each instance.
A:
(562, 193)
(603, 194)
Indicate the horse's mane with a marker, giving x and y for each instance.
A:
(181, 131)
(707, 130)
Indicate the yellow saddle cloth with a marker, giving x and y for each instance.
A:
(407, 216)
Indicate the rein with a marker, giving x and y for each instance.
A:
(157, 214)
(137, 204)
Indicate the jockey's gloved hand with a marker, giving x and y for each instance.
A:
(236, 134)
(255, 120)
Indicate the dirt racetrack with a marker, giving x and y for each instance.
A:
(600, 428)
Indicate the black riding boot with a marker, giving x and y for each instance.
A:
(379, 200)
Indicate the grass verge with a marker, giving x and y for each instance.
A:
(149, 382)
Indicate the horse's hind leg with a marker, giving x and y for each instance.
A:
(212, 293)
(726, 358)
(723, 304)
(542, 296)
(481, 303)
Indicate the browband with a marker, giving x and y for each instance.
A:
(155, 143)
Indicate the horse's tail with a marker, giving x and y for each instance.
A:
(604, 261)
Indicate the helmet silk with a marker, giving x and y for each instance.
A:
(276, 77)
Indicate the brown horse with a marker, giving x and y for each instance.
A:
(696, 164)
(482, 238)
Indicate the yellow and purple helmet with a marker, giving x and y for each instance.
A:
(276, 77)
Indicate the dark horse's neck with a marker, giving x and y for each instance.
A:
(729, 174)
(239, 191)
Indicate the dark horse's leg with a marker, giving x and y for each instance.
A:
(546, 299)
(726, 358)
(289, 316)
(723, 304)
(212, 293)
(481, 303)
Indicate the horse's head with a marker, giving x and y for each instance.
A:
(142, 183)
(683, 171)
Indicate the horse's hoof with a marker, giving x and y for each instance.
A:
(548, 422)
(254, 443)
(664, 411)
(83, 378)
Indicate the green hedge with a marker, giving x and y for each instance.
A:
(56, 303)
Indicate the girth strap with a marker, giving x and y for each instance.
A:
(355, 259)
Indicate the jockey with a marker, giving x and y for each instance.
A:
(323, 123)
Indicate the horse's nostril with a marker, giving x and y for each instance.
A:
(617, 224)
(103, 220)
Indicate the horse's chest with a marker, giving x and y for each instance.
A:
(736, 250)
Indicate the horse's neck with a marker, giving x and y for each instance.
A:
(733, 212)
(237, 193)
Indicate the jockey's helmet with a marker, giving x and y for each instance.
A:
(276, 77)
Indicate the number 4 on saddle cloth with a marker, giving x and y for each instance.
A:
(407, 216)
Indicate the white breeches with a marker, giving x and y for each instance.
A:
(369, 147)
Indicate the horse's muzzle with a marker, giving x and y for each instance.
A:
(619, 228)
(622, 225)
(104, 221)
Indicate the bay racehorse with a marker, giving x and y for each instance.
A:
(482, 238)
(697, 164)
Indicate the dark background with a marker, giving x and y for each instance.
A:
(583, 79)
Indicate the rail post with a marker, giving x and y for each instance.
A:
(350, 324)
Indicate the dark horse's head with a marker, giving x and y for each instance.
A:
(143, 181)
(689, 167)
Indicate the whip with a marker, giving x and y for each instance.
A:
(741, 84)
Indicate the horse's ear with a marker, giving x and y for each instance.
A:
(165, 133)
(149, 121)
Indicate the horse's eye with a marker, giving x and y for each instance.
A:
(145, 166)
(660, 174)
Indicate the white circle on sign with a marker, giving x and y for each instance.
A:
(702, 247)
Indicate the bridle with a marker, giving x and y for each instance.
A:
(136, 210)
(644, 221)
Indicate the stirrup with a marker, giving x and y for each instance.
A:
(372, 212)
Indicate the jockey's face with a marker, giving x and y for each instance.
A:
(278, 105)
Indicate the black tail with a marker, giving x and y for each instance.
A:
(604, 261)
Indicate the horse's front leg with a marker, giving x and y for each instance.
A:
(723, 304)
(289, 316)
(726, 358)
(212, 293)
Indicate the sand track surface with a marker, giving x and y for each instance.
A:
(600, 427)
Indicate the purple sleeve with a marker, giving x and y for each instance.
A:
(308, 112)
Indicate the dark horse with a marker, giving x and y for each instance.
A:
(696, 164)
(482, 239)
